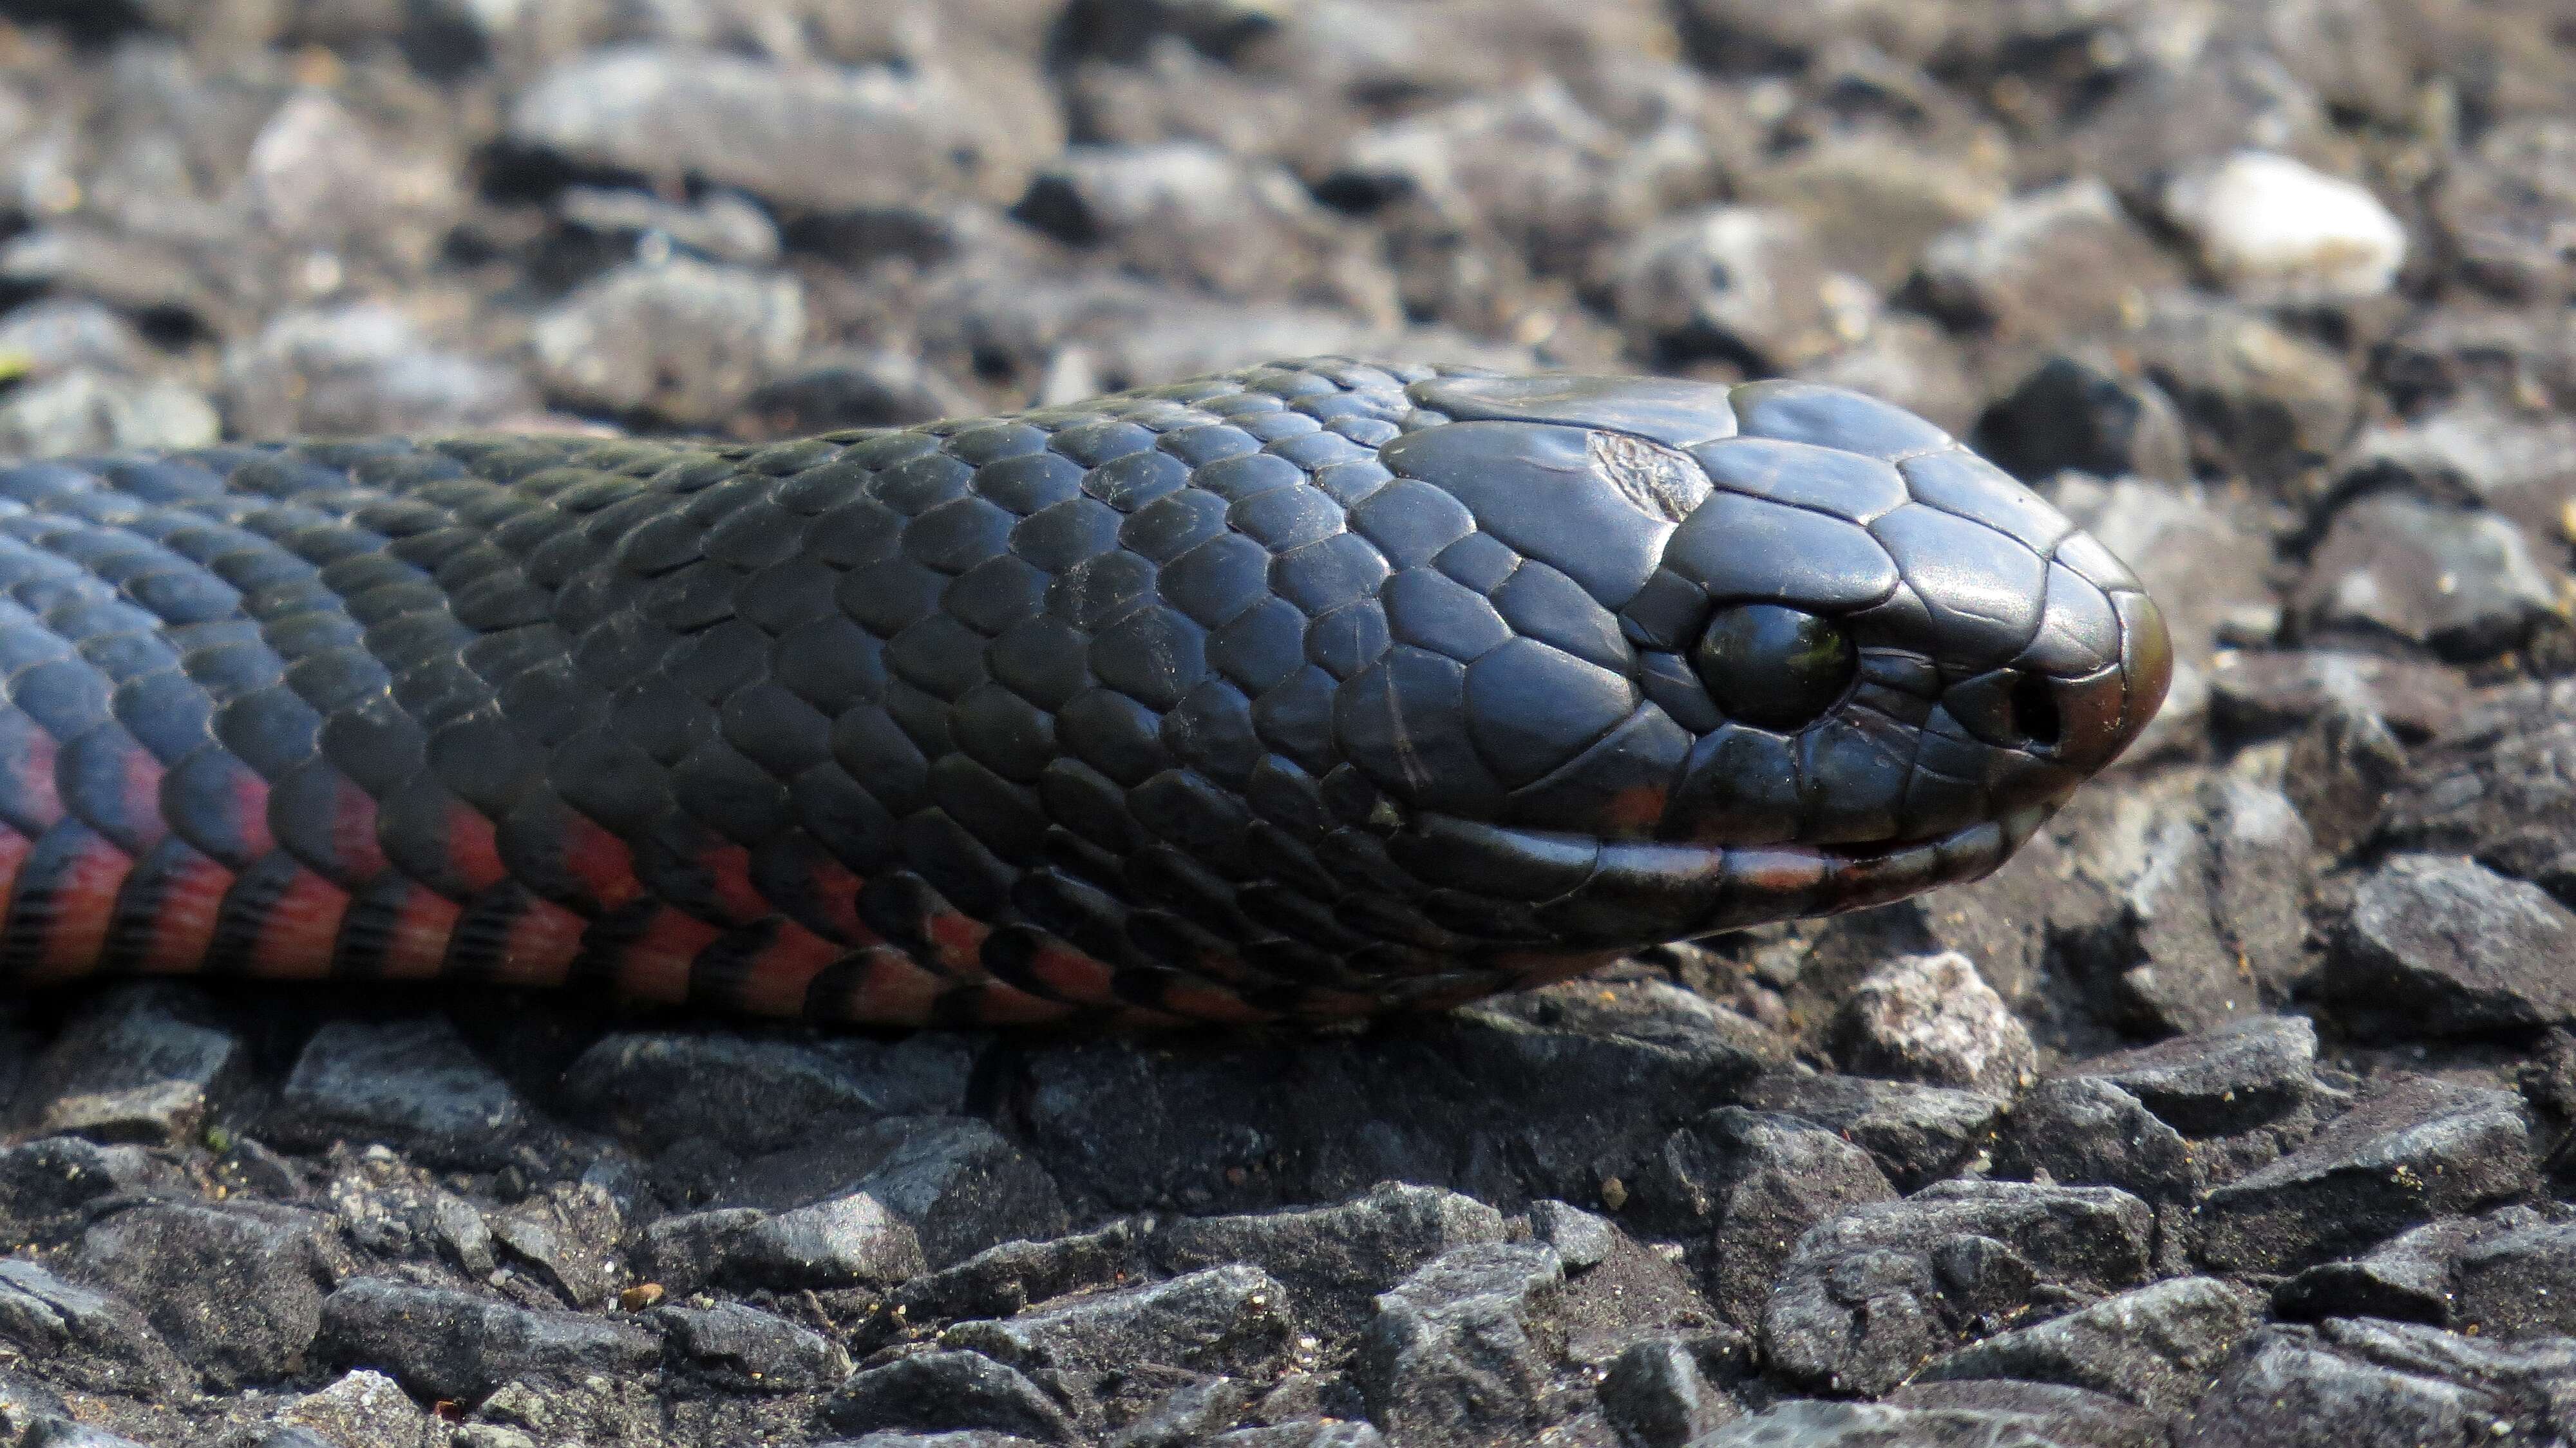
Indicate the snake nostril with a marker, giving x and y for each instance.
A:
(2034, 710)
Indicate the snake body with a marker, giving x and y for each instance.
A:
(1305, 691)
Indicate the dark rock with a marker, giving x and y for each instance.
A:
(2156, 1346)
(1916, 1134)
(1333, 1260)
(64, 1433)
(1581, 1239)
(787, 134)
(1753, 1183)
(1462, 1350)
(85, 1339)
(2496, 355)
(1234, 1320)
(1741, 284)
(2342, 770)
(1501, 1108)
(363, 368)
(235, 1287)
(1933, 1019)
(2236, 1078)
(2507, 205)
(2359, 1384)
(133, 1067)
(1868, 1295)
(2465, 584)
(1188, 1415)
(1659, 1393)
(2500, 786)
(836, 1242)
(446, 1344)
(412, 1083)
(44, 1182)
(963, 1188)
(24, 1404)
(2416, 1149)
(2441, 946)
(2520, 1283)
(2257, 401)
(744, 1350)
(948, 1390)
(2477, 453)
(2045, 266)
(685, 341)
(1331, 1433)
(1873, 201)
(2408, 1278)
(845, 388)
(999, 1281)
(2275, 692)
(757, 1093)
(2080, 411)
(2085, 1131)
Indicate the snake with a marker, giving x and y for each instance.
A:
(1303, 692)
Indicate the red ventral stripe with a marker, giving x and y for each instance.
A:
(774, 979)
(544, 940)
(893, 989)
(654, 964)
(600, 861)
(14, 848)
(415, 946)
(79, 906)
(187, 903)
(301, 929)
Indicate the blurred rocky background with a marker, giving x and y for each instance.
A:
(2234, 1111)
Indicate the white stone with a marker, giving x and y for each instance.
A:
(2274, 229)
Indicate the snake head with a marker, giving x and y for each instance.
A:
(1731, 655)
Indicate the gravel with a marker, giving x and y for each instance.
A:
(2235, 1110)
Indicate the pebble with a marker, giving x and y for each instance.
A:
(2276, 230)
(1933, 1019)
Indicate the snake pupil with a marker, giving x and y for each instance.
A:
(1774, 667)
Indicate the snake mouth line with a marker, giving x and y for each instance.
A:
(1587, 892)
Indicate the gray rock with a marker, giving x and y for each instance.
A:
(1737, 283)
(785, 134)
(1234, 1320)
(1331, 1433)
(357, 369)
(132, 1067)
(411, 1083)
(1870, 1294)
(64, 1433)
(2278, 232)
(2441, 946)
(744, 1350)
(2494, 355)
(1462, 1350)
(85, 1339)
(2156, 1346)
(2086, 1131)
(25, 1403)
(836, 1242)
(1873, 201)
(1188, 214)
(2416, 1149)
(1753, 1183)
(963, 1188)
(2081, 411)
(82, 410)
(2502, 786)
(2045, 266)
(359, 1410)
(1916, 1134)
(55, 334)
(1335, 1260)
(1933, 1019)
(839, 388)
(2465, 584)
(999, 1281)
(757, 1093)
(1939, 1415)
(722, 228)
(948, 1390)
(2232, 1079)
(2408, 1278)
(2360, 1384)
(2476, 452)
(685, 341)
(2276, 691)
(2342, 771)
(2506, 207)
(235, 1287)
(566, 1237)
(1581, 1238)
(447, 1344)
(1189, 1414)
(1659, 1393)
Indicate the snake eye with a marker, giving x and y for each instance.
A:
(1772, 667)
